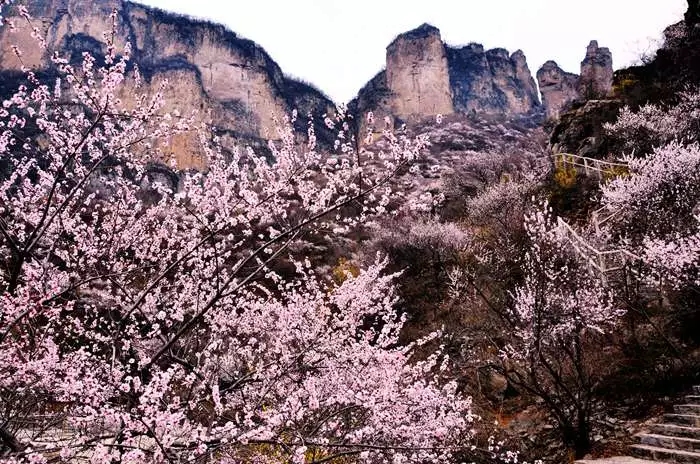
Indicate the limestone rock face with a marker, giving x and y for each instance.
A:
(62, 22)
(558, 87)
(596, 72)
(526, 83)
(491, 82)
(374, 97)
(417, 74)
(232, 82)
(424, 78)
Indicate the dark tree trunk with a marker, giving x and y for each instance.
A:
(582, 444)
(578, 438)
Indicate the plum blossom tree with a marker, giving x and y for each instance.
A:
(657, 204)
(166, 330)
(557, 313)
(653, 126)
(657, 207)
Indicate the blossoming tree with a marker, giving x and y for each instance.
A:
(161, 327)
(656, 206)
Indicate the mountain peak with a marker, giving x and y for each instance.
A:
(425, 77)
(560, 89)
(423, 31)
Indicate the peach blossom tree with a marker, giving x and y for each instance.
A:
(151, 321)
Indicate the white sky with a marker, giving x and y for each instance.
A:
(338, 45)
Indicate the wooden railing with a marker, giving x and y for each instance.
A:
(599, 262)
(47, 433)
(591, 166)
(599, 168)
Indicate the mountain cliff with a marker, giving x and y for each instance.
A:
(491, 81)
(560, 89)
(674, 68)
(425, 77)
(417, 73)
(239, 89)
(233, 83)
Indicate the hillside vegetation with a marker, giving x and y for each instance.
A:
(451, 291)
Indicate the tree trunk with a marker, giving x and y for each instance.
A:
(582, 444)
(578, 438)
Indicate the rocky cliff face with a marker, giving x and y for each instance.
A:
(596, 72)
(417, 74)
(233, 83)
(560, 88)
(237, 87)
(692, 15)
(491, 81)
(424, 77)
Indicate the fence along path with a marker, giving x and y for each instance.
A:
(599, 262)
(591, 166)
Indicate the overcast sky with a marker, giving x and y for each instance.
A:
(338, 45)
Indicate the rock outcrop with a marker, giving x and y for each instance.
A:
(560, 89)
(692, 15)
(596, 72)
(424, 77)
(232, 82)
(581, 130)
(374, 97)
(491, 81)
(674, 68)
(417, 74)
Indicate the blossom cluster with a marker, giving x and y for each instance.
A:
(657, 204)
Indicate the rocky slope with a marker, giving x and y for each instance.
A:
(233, 83)
(675, 68)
